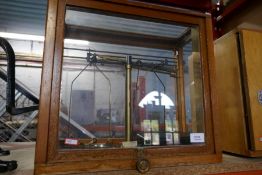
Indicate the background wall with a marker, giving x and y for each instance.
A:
(23, 16)
(248, 16)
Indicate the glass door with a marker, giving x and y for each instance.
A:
(129, 82)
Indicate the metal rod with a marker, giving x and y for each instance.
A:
(122, 53)
(128, 98)
(164, 87)
(181, 109)
(118, 59)
(18, 132)
(134, 104)
(31, 66)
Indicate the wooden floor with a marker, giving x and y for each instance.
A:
(231, 165)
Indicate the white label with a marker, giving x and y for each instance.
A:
(197, 137)
(71, 141)
(176, 138)
(260, 139)
(169, 139)
(132, 144)
(155, 139)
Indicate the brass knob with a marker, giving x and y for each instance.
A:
(143, 165)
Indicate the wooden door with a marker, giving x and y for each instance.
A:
(229, 93)
(251, 43)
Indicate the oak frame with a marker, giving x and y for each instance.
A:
(49, 159)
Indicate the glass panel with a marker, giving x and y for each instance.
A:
(115, 23)
(92, 100)
(154, 107)
(88, 96)
(103, 55)
(193, 84)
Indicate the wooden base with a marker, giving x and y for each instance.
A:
(102, 165)
(247, 153)
(255, 153)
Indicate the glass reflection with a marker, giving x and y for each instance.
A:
(156, 98)
(166, 103)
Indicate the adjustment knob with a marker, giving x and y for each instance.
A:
(143, 165)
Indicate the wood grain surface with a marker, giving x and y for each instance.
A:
(229, 94)
(252, 55)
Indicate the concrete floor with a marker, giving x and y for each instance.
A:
(24, 154)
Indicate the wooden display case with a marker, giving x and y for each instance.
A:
(125, 85)
(238, 61)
